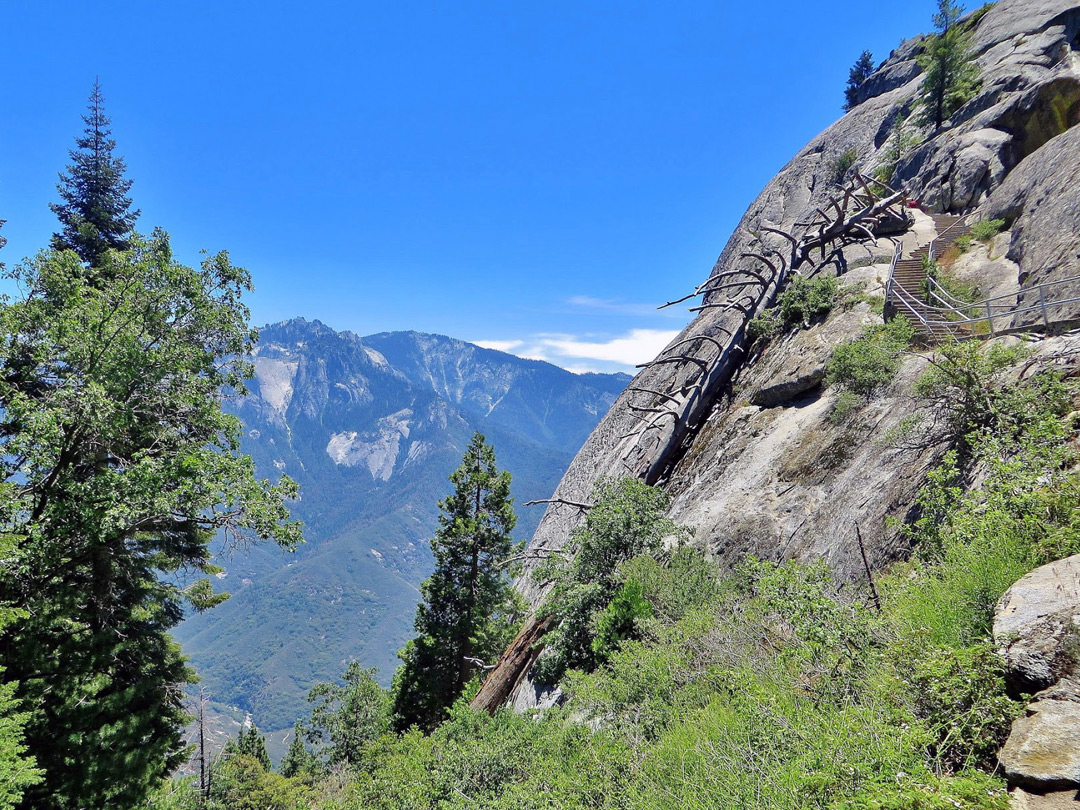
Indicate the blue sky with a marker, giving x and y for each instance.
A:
(532, 176)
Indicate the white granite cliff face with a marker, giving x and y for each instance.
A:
(764, 471)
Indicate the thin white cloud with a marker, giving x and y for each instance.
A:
(639, 346)
(507, 346)
(584, 353)
(623, 307)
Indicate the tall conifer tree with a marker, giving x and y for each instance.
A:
(463, 615)
(951, 75)
(95, 213)
(117, 468)
(859, 73)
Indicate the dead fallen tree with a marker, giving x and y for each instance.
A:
(668, 415)
(666, 419)
(514, 665)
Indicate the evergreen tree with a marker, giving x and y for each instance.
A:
(346, 718)
(95, 213)
(859, 73)
(464, 613)
(118, 467)
(250, 743)
(950, 75)
(298, 759)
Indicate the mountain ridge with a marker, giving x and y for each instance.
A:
(371, 428)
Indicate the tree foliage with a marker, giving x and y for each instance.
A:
(468, 602)
(347, 718)
(859, 73)
(249, 743)
(297, 760)
(118, 467)
(950, 75)
(95, 213)
(587, 597)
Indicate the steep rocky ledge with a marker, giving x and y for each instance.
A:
(760, 469)
(751, 458)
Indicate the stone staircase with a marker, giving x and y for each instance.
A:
(909, 273)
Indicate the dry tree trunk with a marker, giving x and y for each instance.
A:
(514, 664)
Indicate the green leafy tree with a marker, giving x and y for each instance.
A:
(242, 783)
(95, 213)
(464, 615)
(347, 718)
(118, 467)
(589, 597)
(951, 76)
(859, 73)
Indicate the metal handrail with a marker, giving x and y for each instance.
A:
(958, 224)
(892, 268)
(1043, 306)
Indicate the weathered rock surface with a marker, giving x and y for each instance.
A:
(899, 69)
(720, 482)
(1043, 749)
(1041, 199)
(1051, 800)
(1037, 625)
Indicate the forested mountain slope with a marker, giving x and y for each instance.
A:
(370, 428)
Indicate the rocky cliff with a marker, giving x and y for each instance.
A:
(743, 435)
(755, 466)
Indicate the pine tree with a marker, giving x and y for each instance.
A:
(297, 759)
(118, 468)
(859, 73)
(347, 718)
(950, 75)
(95, 214)
(250, 743)
(463, 617)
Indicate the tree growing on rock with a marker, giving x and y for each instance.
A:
(950, 75)
(464, 617)
(859, 73)
(95, 213)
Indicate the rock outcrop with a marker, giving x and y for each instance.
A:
(1037, 628)
(765, 471)
(1037, 625)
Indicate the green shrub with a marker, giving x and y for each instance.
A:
(970, 790)
(764, 327)
(843, 162)
(870, 361)
(987, 229)
(626, 520)
(970, 389)
(801, 301)
(807, 298)
(847, 402)
(621, 619)
(960, 694)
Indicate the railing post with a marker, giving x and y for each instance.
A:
(990, 319)
(1042, 303)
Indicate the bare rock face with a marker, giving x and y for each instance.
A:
(1043, 749)
(969, 166)
(1037, 625)
(1041, 198)
(1021, 799)
(765, 470)
(1030, 93)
